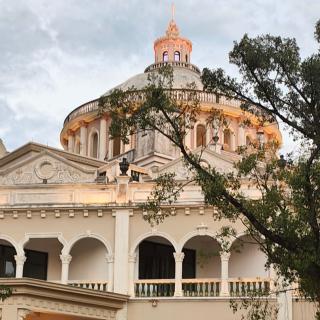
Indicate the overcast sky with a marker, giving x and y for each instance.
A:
(58, 54)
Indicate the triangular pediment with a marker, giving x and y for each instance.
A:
(40, 164)
(222, 161)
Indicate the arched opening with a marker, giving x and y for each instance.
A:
(176, 56)
(186, 58)
(89, 265)
(116, 146)
(201, 135)
(165, 56)
(77, 146)
(94, 145)
(227, 139)
(7, 261)
(155, 267)
(43, 259)
(201, 267)
(247, 261)
(248, 140)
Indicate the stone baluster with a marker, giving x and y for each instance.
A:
(178, 257)
(65, 260)
(20, 260)
(224, 290)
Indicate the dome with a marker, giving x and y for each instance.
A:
(183, 75)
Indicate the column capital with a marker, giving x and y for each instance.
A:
(65, 258)
(110, 258)
(83, 123)
(133, 258)
(20, 259)
(225, 255)
(178, 256)
(70, 132)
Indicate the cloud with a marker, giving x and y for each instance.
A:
(56, 55)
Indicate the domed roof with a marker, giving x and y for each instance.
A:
(182, 77)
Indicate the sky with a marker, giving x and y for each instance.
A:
(56, 55)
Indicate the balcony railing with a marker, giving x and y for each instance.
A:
(178, 94)
(201, 287)
(154, 288)
(242, 287)
(88, 284)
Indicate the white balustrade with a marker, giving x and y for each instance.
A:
(242, 287)
(97, 285)
(154, 288)
(201, 287)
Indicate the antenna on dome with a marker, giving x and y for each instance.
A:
(172, 11)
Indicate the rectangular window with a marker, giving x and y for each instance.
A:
(156, 261)
(35, 266)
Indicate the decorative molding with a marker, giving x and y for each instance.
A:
(187, 211)
(133, 258)
(110, 258)
(202, 229)
(146, 235)
(22, 313)
(20, 259)
(65, 258)
(225, 255)
(178, 256)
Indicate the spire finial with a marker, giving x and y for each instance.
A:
(172, 11)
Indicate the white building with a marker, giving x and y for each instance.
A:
(69, 218)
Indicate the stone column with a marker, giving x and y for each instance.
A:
(132, 264)
(20, 260)
(178, 257)
(103, 138)
(83, 138)
(65, 260)
(224, 290)
(110, 260)
(70, 141)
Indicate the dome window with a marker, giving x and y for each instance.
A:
(176, 56)
(94, 145)
(201, 135)
(165, 56)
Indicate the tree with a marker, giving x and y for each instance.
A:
(274, 83)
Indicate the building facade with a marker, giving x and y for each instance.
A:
(73, 241)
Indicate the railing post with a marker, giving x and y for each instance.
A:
(224, 290)
(132, 263)
(65, 262)
(110, 260)
(178, 257)
(20, 260)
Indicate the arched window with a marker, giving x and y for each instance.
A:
(186, 58)
(116, 146)
(248, 140)
(176, 56)
(165, 56)
(94, 145)
(227, 139)
(201, 135)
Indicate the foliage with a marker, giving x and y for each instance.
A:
(274, 83)
(5, 292)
